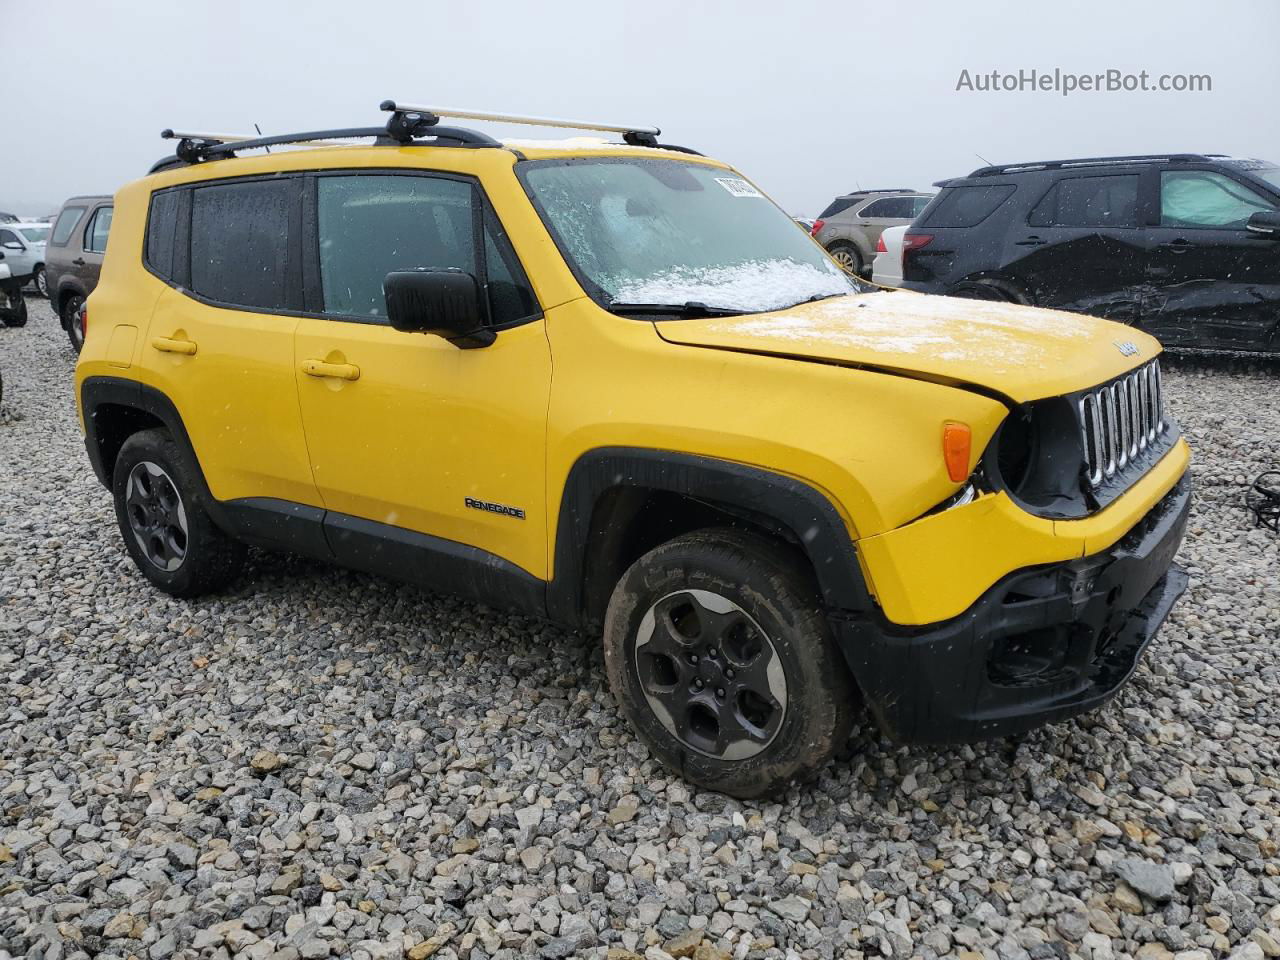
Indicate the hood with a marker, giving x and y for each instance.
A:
(1023, 353)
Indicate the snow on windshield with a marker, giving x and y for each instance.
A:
(751, 287)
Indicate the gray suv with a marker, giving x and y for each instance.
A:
(851, 225)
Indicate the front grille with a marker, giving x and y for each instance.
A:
(1119, 420)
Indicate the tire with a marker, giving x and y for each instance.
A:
(40, 281)
(717, 611)
(847, 256)
(14, 311)
(162, 520)
(71, 321)
(991, 290)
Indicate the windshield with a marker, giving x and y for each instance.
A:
(656, 231)
(35, 234)
(1269, 174)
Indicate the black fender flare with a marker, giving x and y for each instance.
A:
(808, 515)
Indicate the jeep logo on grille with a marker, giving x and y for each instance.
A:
(1127, 347)
(488, 507)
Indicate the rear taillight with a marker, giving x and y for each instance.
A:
(914, 241)
(84, 320)
(880, 247)
(817, 226)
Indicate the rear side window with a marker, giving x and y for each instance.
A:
(95, 237)
(67, 221)
(887, 208)
(839, 205)
(372, 225)
(162, 224)
(967, 206)
(240, 243)
(1089, 202)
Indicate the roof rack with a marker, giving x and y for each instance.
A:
(407, 125)
(855, 193)
(998, 169)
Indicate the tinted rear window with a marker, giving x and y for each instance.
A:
(161, 225)
(67, 221)
(239, 243)
(967, 206)
(838, 206)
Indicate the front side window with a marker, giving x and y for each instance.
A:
(67, 221)
(240, 243)
(1202, 198)
(667, 232)
(96, 235)
(8, 237)
(371, 225)
(918, 204)
(1089, 202)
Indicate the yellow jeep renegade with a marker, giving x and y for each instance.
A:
(614, 385)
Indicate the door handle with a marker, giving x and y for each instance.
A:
(1180, 245)
(166, 345)
(1031, 242)
(78, 261)
(336, 371)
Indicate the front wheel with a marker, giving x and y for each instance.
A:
(165, 528)
(73, 321)
(720, 657)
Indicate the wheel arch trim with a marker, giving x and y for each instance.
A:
(801, 509)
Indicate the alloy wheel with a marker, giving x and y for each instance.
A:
(42, 284)
(156, 515)
(75, 322)
(710, 674)
(846, 259)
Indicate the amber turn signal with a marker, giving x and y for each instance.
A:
(956, 439)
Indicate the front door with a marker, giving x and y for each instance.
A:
(413, 441)
(1213, 283)
(17, 254)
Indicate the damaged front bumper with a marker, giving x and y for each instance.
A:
(1041, 645)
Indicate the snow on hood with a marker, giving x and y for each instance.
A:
(755, 286)
(1023, 352)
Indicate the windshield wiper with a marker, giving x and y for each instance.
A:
(690, 308)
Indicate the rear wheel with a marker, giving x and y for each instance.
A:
(165, 528)
(720, 657)
(73, 321)
(14, 310)
(41, 282)
(847, 256)
(993, 290)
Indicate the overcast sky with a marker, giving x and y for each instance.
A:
(810, 99)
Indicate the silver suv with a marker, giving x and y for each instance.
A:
(851, 225)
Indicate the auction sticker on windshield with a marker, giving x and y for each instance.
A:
(738, 187)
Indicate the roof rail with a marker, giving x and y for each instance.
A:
(634, 134)
(854, 193)
(998, 169)
(408, 125)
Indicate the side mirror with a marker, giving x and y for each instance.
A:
(14, 245)
(443, 302)
(1265, 222)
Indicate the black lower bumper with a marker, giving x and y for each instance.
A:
(1041, 645)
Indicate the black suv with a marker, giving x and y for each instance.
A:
(1185, 246)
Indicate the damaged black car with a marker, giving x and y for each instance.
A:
(1184, 246)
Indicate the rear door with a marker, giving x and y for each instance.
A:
(220, 341)
(885, 212)
(87, 267)
(1214, 284)
(1081, 246)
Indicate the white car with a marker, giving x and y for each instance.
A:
(23, 244)
(886, 269)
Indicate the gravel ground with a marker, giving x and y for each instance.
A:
(322, 763)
